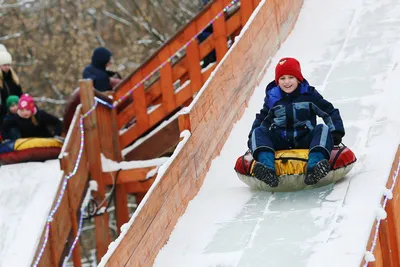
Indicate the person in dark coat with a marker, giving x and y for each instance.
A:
(103, 80)
(288, 121)
(32, 122)
(9, 81)
(12, 108)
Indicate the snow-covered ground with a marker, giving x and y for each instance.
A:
(349, 50)
(27, 191)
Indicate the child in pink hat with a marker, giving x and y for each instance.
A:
(31, 121)
(26, 106)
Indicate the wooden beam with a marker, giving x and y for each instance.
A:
(158, 144)
(126, 176)
(139, 187)
(92, 148)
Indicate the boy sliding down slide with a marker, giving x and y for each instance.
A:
(288, 121)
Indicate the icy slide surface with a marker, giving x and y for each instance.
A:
(349, 50)
(27, 191)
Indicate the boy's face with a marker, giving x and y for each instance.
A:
(14, 108)
(288, 83)
(25, 113)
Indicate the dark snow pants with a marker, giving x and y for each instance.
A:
(317, 140)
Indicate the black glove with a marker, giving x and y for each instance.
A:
(337, 138)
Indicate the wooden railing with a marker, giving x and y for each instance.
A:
(158, 96)
(386, 245)
(64, 226)
(100, 138)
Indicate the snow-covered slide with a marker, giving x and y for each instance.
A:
(350, 51)
(27, 192)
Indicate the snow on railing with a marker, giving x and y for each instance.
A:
(180, 50)
(388, 194)
(63, 189)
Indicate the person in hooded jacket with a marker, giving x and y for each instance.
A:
(9, 81)
(103, 79)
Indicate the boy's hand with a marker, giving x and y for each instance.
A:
(337, 138)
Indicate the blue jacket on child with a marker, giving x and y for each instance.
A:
(289, 121)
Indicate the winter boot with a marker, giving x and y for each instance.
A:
(264, 169)
(317, 168)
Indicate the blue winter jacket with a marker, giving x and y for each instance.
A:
(96, 70)
(294, 115)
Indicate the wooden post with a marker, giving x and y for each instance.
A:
(246, 9)
(139, 104)
(219, 34)
(193, 59)
(184, 122)
(92, 148)
(121, 197)
(166, 81)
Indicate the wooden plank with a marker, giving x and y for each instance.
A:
(45, 261)
(233, 24)
(127, 176)
(207, 73)
(157, 115)
(220, 32)
(105, 129)
(140, 106)
(158, 144)
(193, 56)
(128, 136)
(139, 187)
(167, 87)
(92, 148)
(60, 229)
(246, 9)
(184, 95)
(123, 88)
(384, 237)
(179, 69)
(206, 46)
(184, 122)
(76, 253)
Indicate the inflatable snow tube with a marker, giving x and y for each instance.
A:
(29, 149)
(290, 167)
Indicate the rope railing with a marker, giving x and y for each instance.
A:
(63, 189)
(180, 50)
(369, 255)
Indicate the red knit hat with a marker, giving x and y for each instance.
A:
(288, 66)
(27, 102)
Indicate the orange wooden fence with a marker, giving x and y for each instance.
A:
(158, 97)
(387, 250)
(64, 226)
(210, 121)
